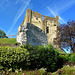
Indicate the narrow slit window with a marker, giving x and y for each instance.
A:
(54, 24)
(47, 29)
(36, 18)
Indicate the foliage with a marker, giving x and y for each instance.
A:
(67, 33)
(42, 71)
(68, 59)
(64, 57)
(7, 40)
(13, 57)
(72, 58)
(63, 71)
(18, 72)
(69, 70)
(49, 57)
(2, 34)
(43, 56)
(31, 57)
(17, 43)
(60, 52)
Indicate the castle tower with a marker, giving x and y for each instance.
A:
(45, 23)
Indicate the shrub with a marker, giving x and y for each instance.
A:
(17, 43)
(64, 57)
(33, 56)
(48, 57)
(43, 56)
(72, 58)
(13, 57)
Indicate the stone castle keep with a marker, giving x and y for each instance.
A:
(37, 29)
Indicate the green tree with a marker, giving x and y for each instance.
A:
(2, 34)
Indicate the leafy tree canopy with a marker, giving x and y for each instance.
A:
(67, 35)
(2, 34)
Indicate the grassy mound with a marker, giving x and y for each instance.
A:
(7, 40)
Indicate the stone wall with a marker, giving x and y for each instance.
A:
(31, 34)
(45, 23)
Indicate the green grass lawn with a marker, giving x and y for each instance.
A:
(7, 40)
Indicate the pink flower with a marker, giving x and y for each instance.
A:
(58, 71)
(24, 74)
(63, 71)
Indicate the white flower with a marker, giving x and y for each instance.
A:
(68, 65)
(45, 69)
(20, 69)
(42, 69)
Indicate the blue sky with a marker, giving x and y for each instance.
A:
(12, 12)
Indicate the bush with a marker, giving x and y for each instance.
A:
(43, 56)
(13, 57)
(33, 56)
(17, 43)
(48, 57)
(30, 57)
(64, 57)
(72, 58)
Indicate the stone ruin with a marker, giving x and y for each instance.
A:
(30, 34)
(37, 29)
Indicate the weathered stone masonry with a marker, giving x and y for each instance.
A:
(35, 27)
(30, 34)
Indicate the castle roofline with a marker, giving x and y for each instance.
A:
(43, 15)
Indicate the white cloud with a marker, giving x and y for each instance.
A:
(20, 12)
